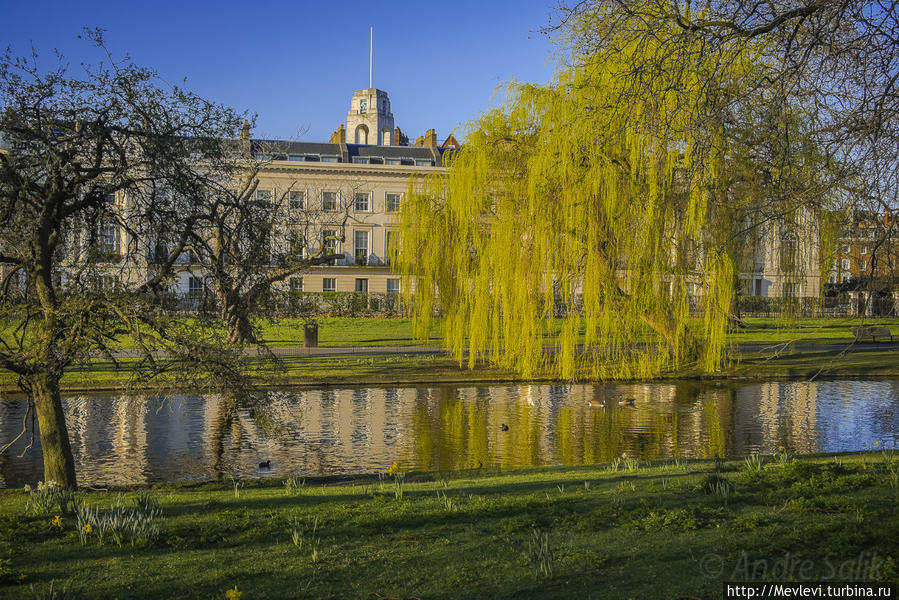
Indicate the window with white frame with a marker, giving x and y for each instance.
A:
(361, 285)
(264, 197)
(846, 264)
(789, 251)
(329, 201)
(297, 199)
(862, 265)
(361, 201)
(393, 286)
(329, 241)
(360, 247)
(845, 248)
(296, 284)
(194, 287)
(392, 202)
(296, 243)
(423, 163)
(329, 284)
(108, 238)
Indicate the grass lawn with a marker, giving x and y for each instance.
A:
(619, 531)
(778, 360)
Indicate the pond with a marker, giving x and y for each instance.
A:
(129, 439)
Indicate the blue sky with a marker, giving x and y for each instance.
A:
(297, 64)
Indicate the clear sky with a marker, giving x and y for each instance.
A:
(297, 64)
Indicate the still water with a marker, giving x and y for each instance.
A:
(120, 440)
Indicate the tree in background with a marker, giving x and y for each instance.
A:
(99, 169)
(612, 196)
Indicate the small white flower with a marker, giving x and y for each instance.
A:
(27, 488)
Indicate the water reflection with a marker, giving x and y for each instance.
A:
(130, 439)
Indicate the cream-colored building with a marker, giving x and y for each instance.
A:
(343, 195)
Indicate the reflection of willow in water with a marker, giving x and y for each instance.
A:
(462, 428)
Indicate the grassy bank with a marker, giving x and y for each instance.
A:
(406, 369)
(624, 530)
(825, 351)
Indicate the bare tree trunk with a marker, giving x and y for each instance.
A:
(59, 463)
(235, 313)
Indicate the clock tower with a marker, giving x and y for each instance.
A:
(369, 120)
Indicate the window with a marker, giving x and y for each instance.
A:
(363, 105)
(390, 247)
(360, 201)
(106, 283)
(393, 286)
(264, 197)
(296, 243)
(788, 252)
(863, 250)
(294, 157)
(790, 290)
(296, 284)
(392, 202)
(194, 287)
(330, 159)
(862, 265)
(393, 161)
(758, 288)
(297, 200)
(107, 239)
(360, 160)
(360, 239)
(329, 241)
(846, 264)
(845, 248)
(423, 163)
(329, 284)
(362, 285)
(329, 200)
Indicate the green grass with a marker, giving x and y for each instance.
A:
(778, 360)
(660, 531)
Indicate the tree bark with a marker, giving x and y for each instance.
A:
(236, 314)
(59, 463)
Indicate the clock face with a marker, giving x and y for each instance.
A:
(363, 105)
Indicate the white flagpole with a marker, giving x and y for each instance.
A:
(371, 42)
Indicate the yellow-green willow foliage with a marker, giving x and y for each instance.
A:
(584, 200)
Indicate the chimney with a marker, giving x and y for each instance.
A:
(430, 138)
(419, 141)
(339, 136)
(245, 130)
(398, 138)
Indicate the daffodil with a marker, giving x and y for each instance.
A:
(233, 594)
(876, 443)
(57, 522)
(393, 469)
(87, 528)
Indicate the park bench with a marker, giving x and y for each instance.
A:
(871, 331)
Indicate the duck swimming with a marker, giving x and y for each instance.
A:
(265, 465)
(504, 427)
(626, 402)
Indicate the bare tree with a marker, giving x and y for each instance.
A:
(255, 236)
(97, 167)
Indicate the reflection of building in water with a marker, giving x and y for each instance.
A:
(126, 440)
(771, 415)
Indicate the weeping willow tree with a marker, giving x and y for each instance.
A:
(600, 201)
